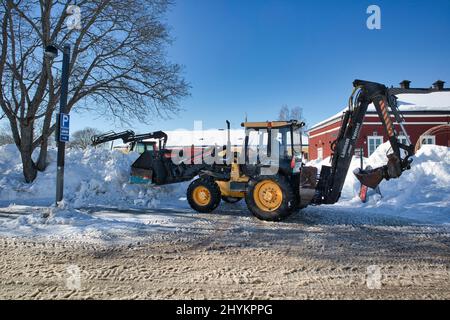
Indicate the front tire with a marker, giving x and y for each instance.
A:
(271, 198)
(204, 195)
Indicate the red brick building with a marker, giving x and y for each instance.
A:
(423, 109)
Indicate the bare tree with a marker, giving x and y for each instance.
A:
(82, 138)
(296, 113)
(118, 66)
(283, 115)
(286, 113)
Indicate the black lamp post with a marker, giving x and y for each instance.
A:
(51, 52)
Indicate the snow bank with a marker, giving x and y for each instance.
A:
(100, 177)
(428, 180)
(421, 193)
(67, 224)
(100, 204)
(92, 177)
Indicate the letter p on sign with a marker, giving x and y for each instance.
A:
(65, 121)
(64, 125)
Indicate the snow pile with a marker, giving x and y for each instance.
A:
(99, 177)
(427, 182)
(101, 205)
(99, 202)
(68, 224)
(421, 193)
(92, 177)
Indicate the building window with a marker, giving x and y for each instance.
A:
(373, 142)
(403, 139)
(428, 140)
(320, 153)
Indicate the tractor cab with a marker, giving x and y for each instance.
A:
(273, 145)
(143, 146)
(267, 174)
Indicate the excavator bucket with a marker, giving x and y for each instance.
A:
(369, 177)
(373, 177)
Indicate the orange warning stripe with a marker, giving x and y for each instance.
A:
(386, 118)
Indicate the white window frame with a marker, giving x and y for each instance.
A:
(433, 139)
(368, 143)
(403, 139)
(320, 153)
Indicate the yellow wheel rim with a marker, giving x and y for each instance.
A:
(201, 196)
(268, 195)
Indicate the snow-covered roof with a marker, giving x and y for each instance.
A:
(434, 101)
(327, 120)
(208, 137)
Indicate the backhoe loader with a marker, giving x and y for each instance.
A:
(275, 187)
(268, 171)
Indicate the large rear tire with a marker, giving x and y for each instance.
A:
(204, 195)
(271, 198)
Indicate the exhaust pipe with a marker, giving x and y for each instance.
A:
(228, 153)
(228, 134)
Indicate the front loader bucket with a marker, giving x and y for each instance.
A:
(369, 177)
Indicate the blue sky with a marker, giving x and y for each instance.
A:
(252, 56)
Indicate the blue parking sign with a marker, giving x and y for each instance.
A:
(64, 125)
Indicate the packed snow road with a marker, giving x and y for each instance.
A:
(323, 252)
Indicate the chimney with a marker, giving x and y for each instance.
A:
(438, 85)
(405, 84)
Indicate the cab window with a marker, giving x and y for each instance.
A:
(140, 148)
